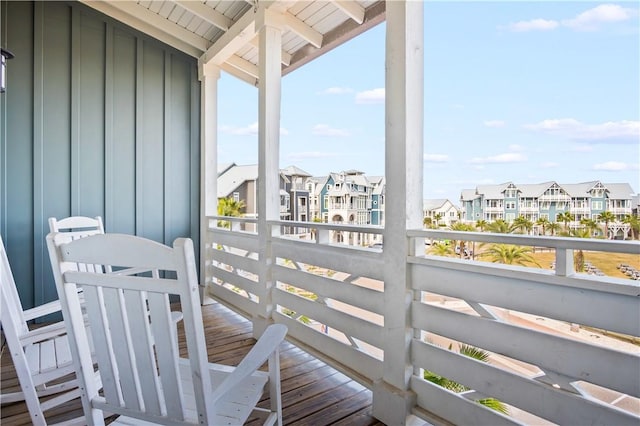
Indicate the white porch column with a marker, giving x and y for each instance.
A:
(392, 401)
(270, 48)
(208, 74)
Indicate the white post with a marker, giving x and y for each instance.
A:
(208, 74)
(269, 29)
(392, 399)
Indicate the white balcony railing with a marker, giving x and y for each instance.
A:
(543, 365)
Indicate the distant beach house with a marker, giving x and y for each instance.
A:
(441, 211)
(549, 200)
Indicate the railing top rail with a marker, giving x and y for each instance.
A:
(366, 229)
(616, 246)
(241, 219)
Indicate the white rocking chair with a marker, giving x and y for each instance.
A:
(41, 357)
(144, 378)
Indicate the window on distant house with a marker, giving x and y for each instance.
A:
(236, 197)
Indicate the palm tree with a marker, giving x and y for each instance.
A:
(509, 254)
(590, 225)
(427, 222)
(554, 227)
(578, 258)
(566, 217)
(229, 207)
(544, 222)
(479, 355)
(521, 224)
(634, 223)
(437, 217)
(499, 226)
(459, 226)
(441, 249)
(481, 223)
(606, 217)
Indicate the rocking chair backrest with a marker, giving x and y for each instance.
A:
(12, 315)
(130, 319)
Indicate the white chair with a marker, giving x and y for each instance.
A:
(41, 356)
(144, 378)
(77, 226)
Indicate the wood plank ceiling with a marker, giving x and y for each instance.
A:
(224, 31)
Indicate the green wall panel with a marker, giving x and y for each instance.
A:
(98, 119)
(16, 147)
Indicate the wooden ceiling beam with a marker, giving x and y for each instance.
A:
(240, 33)
(352, 9)
(210, 15)
(243, 65)
(303, 30)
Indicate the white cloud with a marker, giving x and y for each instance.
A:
(374, 96)
(516, 148)
(508, 157)
(436, 158)
(251, 129)
(533, 25)
(624, 131)
(582, 148)
(310, 155)
(614, 166)
(325, 130)
(591, 19)
(494, 123)
(335, 91)
(549, 165)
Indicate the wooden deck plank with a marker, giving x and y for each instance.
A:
(313, 393)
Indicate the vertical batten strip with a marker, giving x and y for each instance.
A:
(76, 119)
(109, 154)
(194, 160)
(139, 135)
(168, 168)
(38, 153)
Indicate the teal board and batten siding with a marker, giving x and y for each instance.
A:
(97, 119)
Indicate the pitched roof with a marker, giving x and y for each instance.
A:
(434, 203)
(294, 171)
(533, 190)
(234, 177)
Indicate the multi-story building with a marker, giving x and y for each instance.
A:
(377, 200)
(441, 211)
(240, 184)
(549, 200)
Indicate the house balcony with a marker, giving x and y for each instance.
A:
(555, 197)
(494, 209)
(532, 209)
(581, 210)
(548, 331)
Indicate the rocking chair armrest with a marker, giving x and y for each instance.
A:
(266, 345)
(42, 310)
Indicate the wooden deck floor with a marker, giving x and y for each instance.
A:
(312, 392)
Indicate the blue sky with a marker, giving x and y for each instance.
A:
(515, 91)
